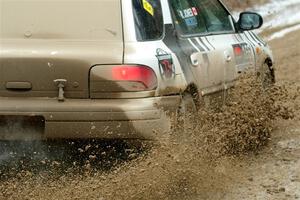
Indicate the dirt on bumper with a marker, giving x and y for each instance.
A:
(79, 118)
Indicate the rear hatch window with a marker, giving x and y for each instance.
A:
(148, 19)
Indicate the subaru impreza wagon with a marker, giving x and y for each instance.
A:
(78, 69)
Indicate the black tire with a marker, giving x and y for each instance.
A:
(267, 75)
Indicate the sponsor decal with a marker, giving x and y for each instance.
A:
(187, 13)
(189, 16)
(148, 7)
(195, 11)
(166, 65)
(191, 21)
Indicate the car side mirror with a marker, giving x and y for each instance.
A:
(249, 21)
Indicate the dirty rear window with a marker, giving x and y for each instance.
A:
(148, 19)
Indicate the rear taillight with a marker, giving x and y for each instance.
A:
(142, 75)
(122, 78)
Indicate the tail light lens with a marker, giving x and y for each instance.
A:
(122, 78)
(143, 76)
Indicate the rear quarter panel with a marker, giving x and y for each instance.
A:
(145, 53)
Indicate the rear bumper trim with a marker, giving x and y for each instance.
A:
(103, 118)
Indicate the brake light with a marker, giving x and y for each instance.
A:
(238, 50)
(135, 74)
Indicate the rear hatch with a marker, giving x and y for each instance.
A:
(45, 40)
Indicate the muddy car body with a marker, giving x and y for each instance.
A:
(111, 68)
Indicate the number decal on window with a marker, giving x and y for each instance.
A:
(148, 7)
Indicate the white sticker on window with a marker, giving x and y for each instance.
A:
(189, 12)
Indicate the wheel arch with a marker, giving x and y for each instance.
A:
(192, 89)
(269, 62)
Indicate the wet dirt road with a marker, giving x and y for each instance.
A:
(177, 170)
(274, 173)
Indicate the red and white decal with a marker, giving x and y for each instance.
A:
(188, 13)
(195, 11)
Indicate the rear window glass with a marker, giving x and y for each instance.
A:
(148, 19)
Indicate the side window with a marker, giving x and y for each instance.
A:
(188, 20)
(200, 16)
(148, 19)
(216, 17)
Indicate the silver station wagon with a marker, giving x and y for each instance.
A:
(76, 69)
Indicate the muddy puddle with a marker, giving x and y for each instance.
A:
(192, 162)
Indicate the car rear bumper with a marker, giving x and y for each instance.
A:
(81, 119)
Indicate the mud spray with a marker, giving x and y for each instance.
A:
(193, 163)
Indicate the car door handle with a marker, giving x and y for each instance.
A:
(194, 60)
(19, 85)
(227, 56)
